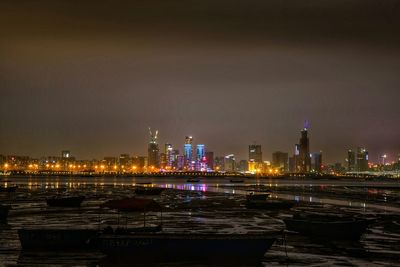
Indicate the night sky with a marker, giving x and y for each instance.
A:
(93, 77)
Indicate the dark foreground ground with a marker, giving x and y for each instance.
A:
(209, 206)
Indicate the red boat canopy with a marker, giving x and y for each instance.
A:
(132, 204)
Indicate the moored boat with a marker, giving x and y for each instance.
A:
(73, 201)
(257, 196)
(4, 209)
(8, 189)
(148, 191)
(236, 181)
(55, 239)
(193, 180)
(172, 245)
(328, 226)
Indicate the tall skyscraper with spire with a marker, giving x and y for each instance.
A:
(153, 157)
(304, 163)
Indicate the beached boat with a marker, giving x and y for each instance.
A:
(270, 204)
(55, 239)
(328, 226)
(188, 245)
(257, 196)
(148, 191)
(236, 181)
(8, 189)
(4, 209)
(58, 201)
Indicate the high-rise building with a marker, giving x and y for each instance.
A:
(255, 153)
(351, 160)
(280, 160)
(180, 162)
(316, 162)
(124, 160)
(304, 153)
(65, 154)
(362, 159)
(200, 158)
(169, 155)
(229, 163)
(292, 164)
(188, 151)
(219, 163)
(153, 151)
(139, 163)
(242, 166)
(210, 160)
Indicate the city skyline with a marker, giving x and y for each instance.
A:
(252, 150)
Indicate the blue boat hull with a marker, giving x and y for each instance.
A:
(172, 246)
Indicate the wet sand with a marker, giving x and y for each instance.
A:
(210, 206)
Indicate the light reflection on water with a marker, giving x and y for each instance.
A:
(301, 191)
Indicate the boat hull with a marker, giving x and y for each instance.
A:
(4, 209)
(65, 202)
(338, 230)
(185, 245)
(55, 239)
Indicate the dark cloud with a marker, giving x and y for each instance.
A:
(93, 76)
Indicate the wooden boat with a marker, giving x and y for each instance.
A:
(4, 209)
(57, 201)
(55, 239)
(192, 180)
(132, 204)
(328, 226)
(257, 196)
(8, 189)
(187, 245)
(236, 181)
(148, 191)
(270, 204)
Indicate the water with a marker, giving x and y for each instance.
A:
(210, 206)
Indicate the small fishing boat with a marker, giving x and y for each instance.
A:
(236, 181)
(270, 204)
(58, 201)
(257, 196)
(177, 245)
(55, 239)
(8, 189)
(4, 209)
(193, 180)
(335, 227)
(148, 191)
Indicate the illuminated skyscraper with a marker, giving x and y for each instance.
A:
(210, 160)
(304, 153)
(351, 161)
(188, 151)
(229, 163)
(169, 155)
(280, 160)
(153, 151)
(362, 159)
(255, 153)
(200, 157)
(65, 154)
(316, 162)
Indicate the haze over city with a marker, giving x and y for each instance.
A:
(95, 78)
